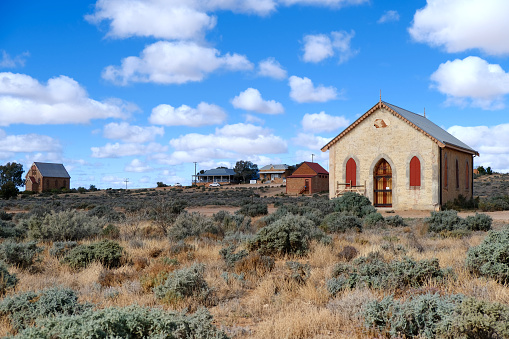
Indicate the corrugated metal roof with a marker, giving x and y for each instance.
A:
(281, 167)
(316, 167)
(429, 127)
(217, 171)
(52, 170)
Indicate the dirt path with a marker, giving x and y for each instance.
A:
(499, 215)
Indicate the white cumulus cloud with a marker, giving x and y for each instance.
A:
(389, 16)
(137, 166)
(472, 79)
(271, 68)
(319, 47)
(24, 100)
(492, 143)
(459, 25)
(322, 122)
(6, 61)
(303, 90)
(310, 141)
(23, 143)
(165, 62)
(117, 150)
(204, 114)
(251, 100)
(129, 133)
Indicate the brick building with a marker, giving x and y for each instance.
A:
(274, 173)
(400, 160)
(44, 176)
(309, 178)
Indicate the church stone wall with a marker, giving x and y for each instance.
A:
(452, 190)
(383, 135)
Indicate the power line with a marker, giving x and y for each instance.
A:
(126, 180)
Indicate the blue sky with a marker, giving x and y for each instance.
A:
(141, 89)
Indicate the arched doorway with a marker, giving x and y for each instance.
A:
(382, 183)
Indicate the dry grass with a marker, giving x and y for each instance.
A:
(267, 303)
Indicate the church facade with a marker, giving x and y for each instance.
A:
(399, 160)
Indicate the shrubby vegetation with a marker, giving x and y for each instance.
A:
(193, 225)
(353, 204)
(22, 255)
(337, 222)
(450, 221)
(183, 283)
(107, 252)
(253, 210)
(7, 280)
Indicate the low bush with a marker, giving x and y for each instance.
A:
(7, 280)
(24, 308)
(107, 252)
(22, 255)
(311, 213)
(230, 257)
(450, 221)
(299, 273)
(373, 272)
(395, 221)
(9, 229)
(110, 231)
(462, 203)
(127, 322)
(192, 225)
(183, 283)
(61, 248)
(479, 222)
(373, 220)
(348, 253)
(253, 210)
(496, 203)
(355, 204)
(65, 225)
(233, 223)
(288, 235)
(338, 223)
(490, 258)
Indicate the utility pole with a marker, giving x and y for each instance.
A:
(195, 172)
(126, 180)
(312, 157)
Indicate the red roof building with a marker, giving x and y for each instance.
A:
(309, 178)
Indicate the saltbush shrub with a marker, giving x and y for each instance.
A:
(288, 235)
(7, 280)
(490, 258)
(444, 221)
(373, 272)
(355, 204)
(373, 220)
(395, 221)
(192, 225)
(24, 308)
(253, 210)
(127, 322)
(496, 203)
(232, 224)
(65, 225)
(338, 223)
(479, 222)
(61, 248)
(299, 272)
(311, 213)
(230, 257)
(9, 229)
(107, 252)
(22, 255)
(182, 283)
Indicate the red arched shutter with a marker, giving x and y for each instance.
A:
(415, 172)
(351, 172)
(446, 173)
(467, 177)
(457, 175)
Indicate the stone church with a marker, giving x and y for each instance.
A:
(399, 160)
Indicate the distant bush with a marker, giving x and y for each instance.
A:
(348, 253)
(127, 322)
(182, 283)
(107, 252)
(9, 230)
(461, 203)
(233, 223)
(337, 223)
(22, 255)
(192, 225)
(373, 272)
(353, 204)
(106, 212)
(311, 213)
(490, 258)
(253, 210)
(450, 221)
(230, 257)
(395, 221)
(373, 220)
(24, 308)
(288, 235)
(65, 225)
(496, 203)
(111, 231)
(61, 248)
(7, 280)
(164, 213)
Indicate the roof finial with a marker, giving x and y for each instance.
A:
(380, 95)
(425, 112)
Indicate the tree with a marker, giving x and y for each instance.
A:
(245, 170)
(11, 172)
(8, 190)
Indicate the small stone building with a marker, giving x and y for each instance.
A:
(309, 178)
(43, 176)
(275, 173)
(400, 160)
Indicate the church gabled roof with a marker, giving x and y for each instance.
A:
(419, 122)
(51, 170)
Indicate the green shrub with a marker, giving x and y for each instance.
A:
(444, 221)
(165, 213)
(182, 283)
(395, 221)
(61, 248)
(496, 203)
(311, 213)
(107, 213)
(337, 222)
(353, 204)
(288, 235)
(490, 258)
(253, 210)
(127, 322)
(233, 223)
(230, 257)
(192, 225)
(111, 231)
(7, 280)
(22, 255)
(24, 308)
(479, 222)
(299, 273)
(374, 220)
(9, 230)
(65, 225)
(107, 252)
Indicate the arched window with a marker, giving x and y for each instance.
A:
(446, 172)
(415, 172)
(457, 175)
(351, 172)
(467, 176)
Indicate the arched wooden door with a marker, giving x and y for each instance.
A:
(351, 173)
(382, 183)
